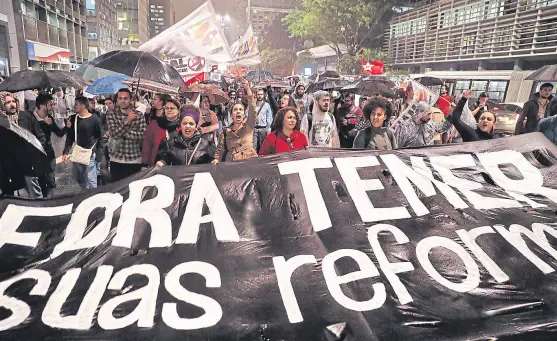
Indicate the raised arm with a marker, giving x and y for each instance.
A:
(252, 113)
(467, 133)
(272, 101)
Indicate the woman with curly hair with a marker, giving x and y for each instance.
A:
(378, 135)
(286, 135)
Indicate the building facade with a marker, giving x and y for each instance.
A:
(486, 45)
(161, 16)
(262, 12)
(9, 55)
(101, 27)
(133, 23)
(51, 34)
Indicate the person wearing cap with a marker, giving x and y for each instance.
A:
(480, 106)
(185, 145)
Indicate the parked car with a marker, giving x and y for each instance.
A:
(507, 116)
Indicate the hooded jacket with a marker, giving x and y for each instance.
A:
(178, 150)
(530, 113)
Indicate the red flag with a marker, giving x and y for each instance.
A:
(200, 77)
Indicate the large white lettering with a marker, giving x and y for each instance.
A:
(21, 310)
(13, 217)
(204, 189)
(358, 188)
(367, 270)
(213, 310)
(317, 209)
(284, 270)
(151, 210)
(473, 272)
(444, 165)
(531, 182)
(391, 269)
(144, 313)
(83, 320)
(514, 236)
(73, 239)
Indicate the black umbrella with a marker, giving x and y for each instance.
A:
(546, 73)
(327, 84)
(140, 65)
(258, 76)
(369, 88)
(430, 81)
(41, 79)
(23, 153)
(327, 74)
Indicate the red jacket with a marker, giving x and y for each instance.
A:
(276, 142)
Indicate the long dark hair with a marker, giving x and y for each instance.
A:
(279, 119)
(291, 102)
(374, 104)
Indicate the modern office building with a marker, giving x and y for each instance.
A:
(161, 16)
(133, 23)
(51, 34)
(262, 12)
(9, 55)
(101, 27)
(486, 45)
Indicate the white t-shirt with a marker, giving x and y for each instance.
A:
(322, 131)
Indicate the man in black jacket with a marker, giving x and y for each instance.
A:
(27, 121)
(44, 111)
(534, 110)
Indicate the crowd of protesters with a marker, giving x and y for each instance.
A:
(113, 138)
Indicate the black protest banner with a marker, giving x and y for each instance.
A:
(449, 243)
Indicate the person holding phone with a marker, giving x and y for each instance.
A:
(480, 106)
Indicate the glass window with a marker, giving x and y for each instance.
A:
(478, 87)
(460, 87)
(496, 90)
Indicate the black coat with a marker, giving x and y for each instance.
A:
(177, 150)
(28, 121)
(48, 129)
(530, 113)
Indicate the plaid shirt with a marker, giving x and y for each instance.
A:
(129, 135)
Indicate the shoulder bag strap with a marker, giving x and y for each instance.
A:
(75, 127)
(195, 150)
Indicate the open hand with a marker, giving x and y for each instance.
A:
(65, 158)
(467, 94)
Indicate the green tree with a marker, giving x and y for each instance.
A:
(279, 62)
(333, 22)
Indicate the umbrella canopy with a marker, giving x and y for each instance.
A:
(369, 88)
(274, 84)
(258, 76)
(430, 81)
(151, 86)
(216, 95)
(25, 152)
(546, 73)
(327, 84)
(327, 74)
(92, 73)
(41, 79)
(141, 65)
(108, 85)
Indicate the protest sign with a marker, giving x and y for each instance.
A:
(449, 243)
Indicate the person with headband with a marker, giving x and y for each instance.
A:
(185, 146)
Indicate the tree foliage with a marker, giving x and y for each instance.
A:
(333, 22)
(304, 59)
(279, 62)
(276, 36)
(348, 64)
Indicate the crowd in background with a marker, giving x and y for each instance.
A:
(110, 138)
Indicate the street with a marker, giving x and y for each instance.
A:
(65, 184)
